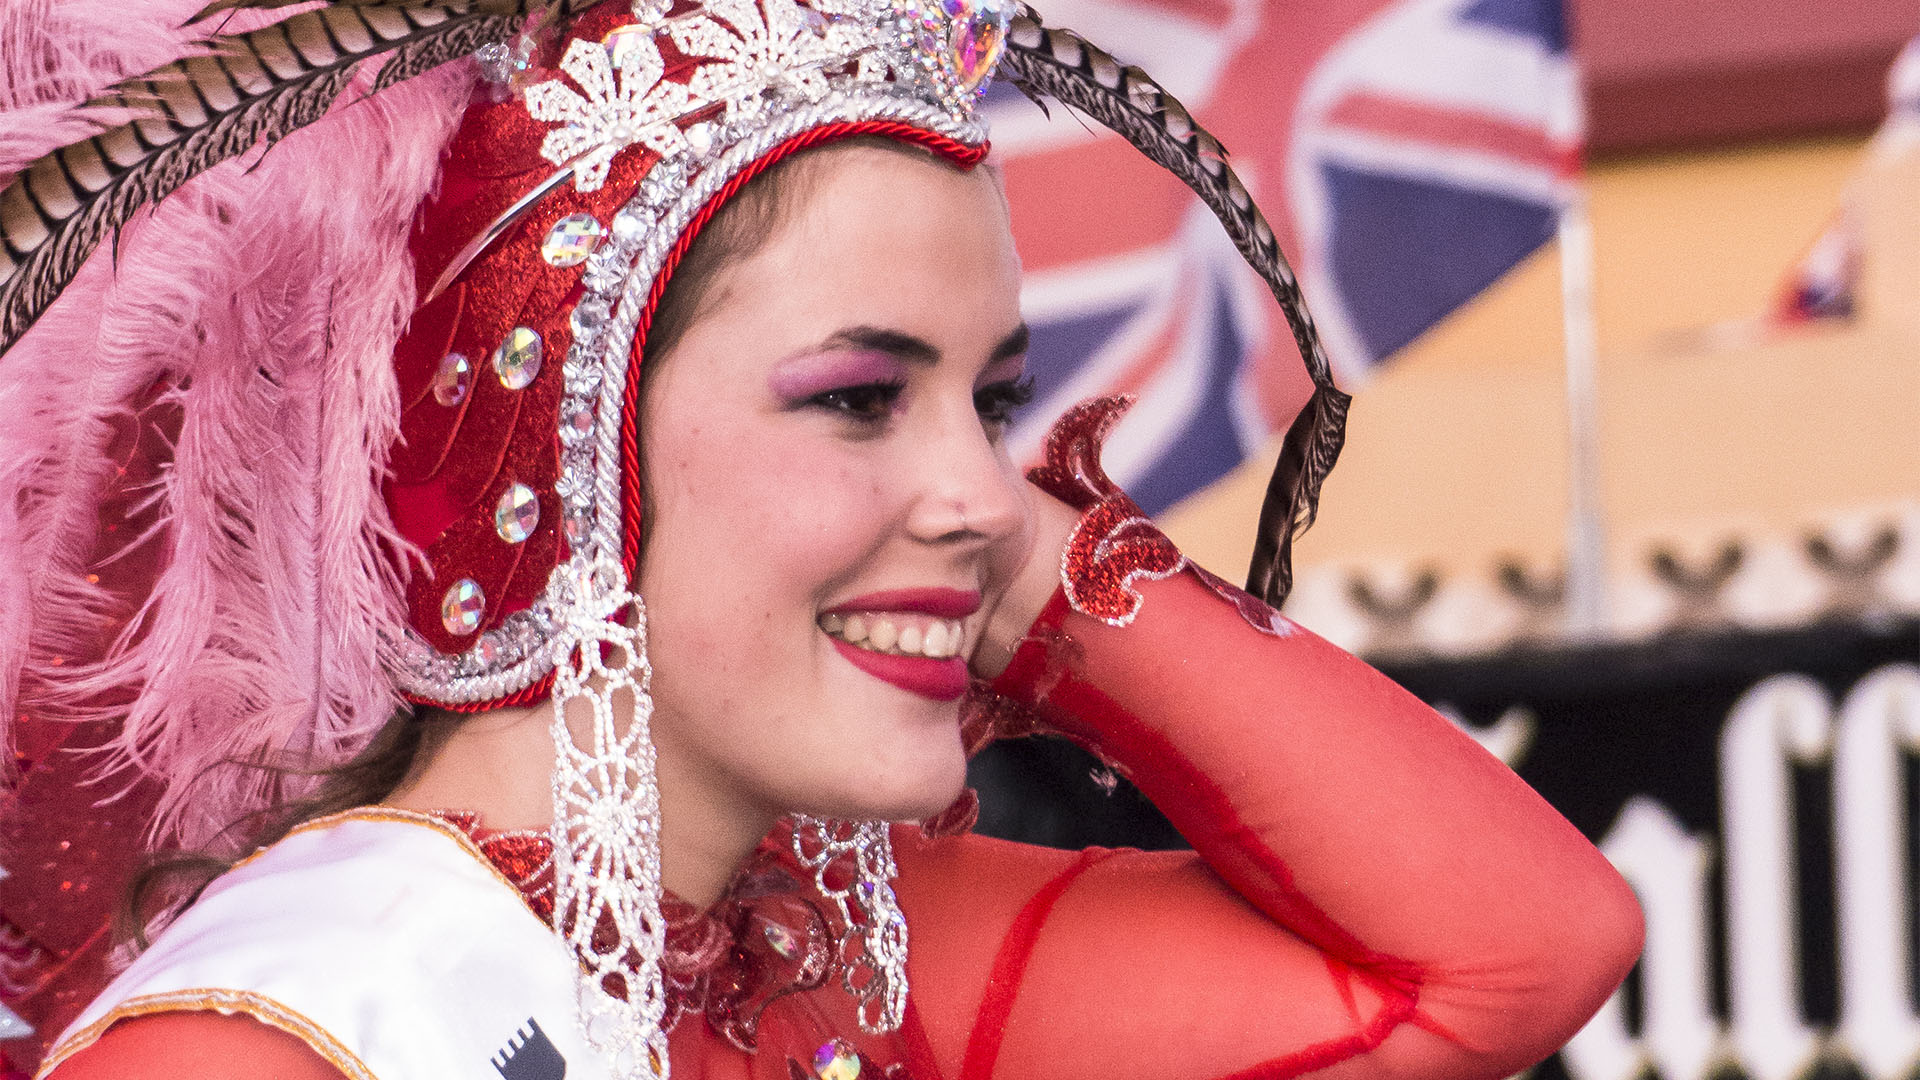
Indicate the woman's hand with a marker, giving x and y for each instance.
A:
(1013, 613)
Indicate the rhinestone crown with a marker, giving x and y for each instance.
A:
(757, 55)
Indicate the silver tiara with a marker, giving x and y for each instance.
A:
(761, 57)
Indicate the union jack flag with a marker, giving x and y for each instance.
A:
(1408, 152)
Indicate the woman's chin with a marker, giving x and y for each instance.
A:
(899, 794)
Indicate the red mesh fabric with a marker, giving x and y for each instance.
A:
(1370, 894)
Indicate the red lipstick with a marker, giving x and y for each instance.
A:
(941, 680)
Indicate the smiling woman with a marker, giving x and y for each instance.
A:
(673, 497)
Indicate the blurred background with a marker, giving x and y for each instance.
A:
(1627, 293)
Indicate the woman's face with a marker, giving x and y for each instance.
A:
(832, 508)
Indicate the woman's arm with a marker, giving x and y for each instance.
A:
(1370, 892)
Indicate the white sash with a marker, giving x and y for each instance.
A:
(386, 942)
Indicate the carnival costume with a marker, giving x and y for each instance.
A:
(466, 390)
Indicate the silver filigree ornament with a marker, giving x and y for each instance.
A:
(761, 54)
(767, 48)
(606, 818)
(623, 106)
(873, 954)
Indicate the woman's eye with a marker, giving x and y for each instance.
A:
(867, 402)
(997, 402)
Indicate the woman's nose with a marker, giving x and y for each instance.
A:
(970, 490)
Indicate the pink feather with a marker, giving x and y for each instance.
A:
(270, 291)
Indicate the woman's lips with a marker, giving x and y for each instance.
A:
(914, 639)
(941, 680)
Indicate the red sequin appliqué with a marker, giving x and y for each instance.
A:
(766, 939)
(1115, 543)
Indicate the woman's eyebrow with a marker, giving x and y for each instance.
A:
(1015, 343)
(916, 350)
(892, 342)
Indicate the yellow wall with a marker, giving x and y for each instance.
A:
(1456, 454)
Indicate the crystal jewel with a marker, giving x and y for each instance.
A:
(578, 425)
(837, 1060)
(588, 317)
(978, 37)
(571, 240)
(453, 380)
(578, 525)
(517, 360)
(462, 608)
(517, 514)
(782, 940)
(629, 227)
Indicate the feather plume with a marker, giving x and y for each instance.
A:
(237, 92)
(1065, 66)
(55, 56)
(268, 294)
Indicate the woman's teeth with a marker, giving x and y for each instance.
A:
(936, 639)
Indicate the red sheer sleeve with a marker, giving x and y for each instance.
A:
(195, 1046)
(1370, 892)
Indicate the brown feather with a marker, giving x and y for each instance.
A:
(1067, 67)
(247, 89)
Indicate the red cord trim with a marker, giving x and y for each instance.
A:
(1010, 966)
(1396, 1010)
(962, 155)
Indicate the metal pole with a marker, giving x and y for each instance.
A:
(1586, 582)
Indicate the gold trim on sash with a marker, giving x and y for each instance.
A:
(258, 1006)
(225, 1002)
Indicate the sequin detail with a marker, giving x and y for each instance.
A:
(517, 360)
(453, 380)
(463, 607)
(517, 514)
(1115, 543)
(571, 240)
(765, 940)
(836, 1060)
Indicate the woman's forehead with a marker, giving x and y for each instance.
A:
(887, 225)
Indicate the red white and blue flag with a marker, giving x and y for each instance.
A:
(1408, 152)
(1822, 286)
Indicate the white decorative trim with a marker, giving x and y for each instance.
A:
(1858, 566)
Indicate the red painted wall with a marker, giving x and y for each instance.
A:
(1688, 73)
